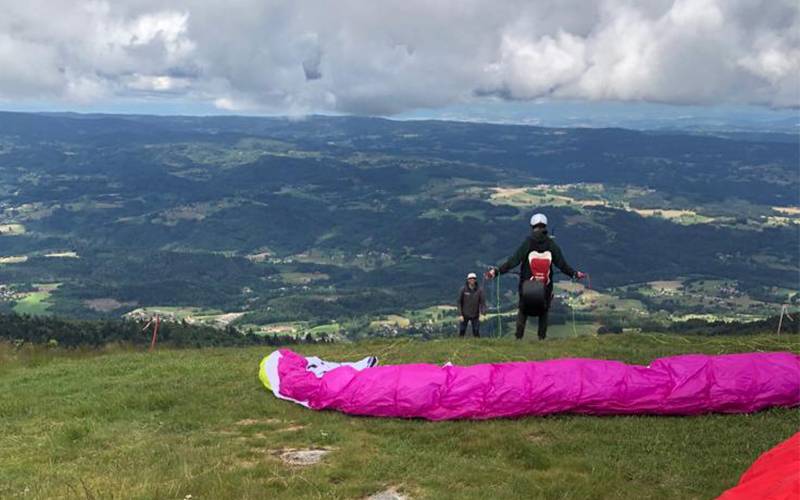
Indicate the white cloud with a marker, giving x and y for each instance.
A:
(384, 57)
(530, 68)
(157, 83)
(226, 103)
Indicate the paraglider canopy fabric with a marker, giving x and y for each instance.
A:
(678, 385)
(774, 475)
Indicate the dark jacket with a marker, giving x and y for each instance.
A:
(471, 301)
(539, 242)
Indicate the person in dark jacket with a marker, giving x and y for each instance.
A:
(539, 241)
(471, 304)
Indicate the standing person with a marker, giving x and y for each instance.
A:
(471, 304)
(536, 256)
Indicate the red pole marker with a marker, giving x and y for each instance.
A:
(155, 333)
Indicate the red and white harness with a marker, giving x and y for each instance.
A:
(539, 263)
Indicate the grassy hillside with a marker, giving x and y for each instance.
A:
(174, 423)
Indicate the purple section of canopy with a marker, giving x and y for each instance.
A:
(678, 385)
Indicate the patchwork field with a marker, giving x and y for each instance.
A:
(107, 304)
(62, 255)
(11, 229)
(295, 329)
(38, 301)
(191, 315)
(586, 196)
(13, 259)
(297, 278)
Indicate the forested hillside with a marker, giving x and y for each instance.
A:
(286, 226)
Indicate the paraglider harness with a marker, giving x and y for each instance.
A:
(535, 291)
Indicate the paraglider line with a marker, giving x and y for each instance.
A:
(499, 319)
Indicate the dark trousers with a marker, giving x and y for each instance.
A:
(476, 327)
(522, 318)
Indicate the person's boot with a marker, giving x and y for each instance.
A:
(521, 320)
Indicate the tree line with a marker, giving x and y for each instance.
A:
(64, 332)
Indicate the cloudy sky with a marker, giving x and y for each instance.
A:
(395, 58)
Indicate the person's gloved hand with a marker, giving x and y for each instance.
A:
(491, 273)
(579, 275)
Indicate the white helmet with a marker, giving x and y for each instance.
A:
(472, 275)
(538, 219)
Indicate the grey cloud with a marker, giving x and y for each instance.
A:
(385, 57)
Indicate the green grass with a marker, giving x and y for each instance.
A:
(330, 328)
(35, 303)
(124, 424)
(568, 329)
(297, 278)
(460, 215)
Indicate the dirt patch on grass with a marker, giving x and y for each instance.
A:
(538, 437)
(277, 426)
(392, 493)
(301, 457)
(292, 428)
(253, 421)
